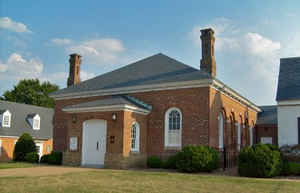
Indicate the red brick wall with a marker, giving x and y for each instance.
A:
(269, 130)
(233, 113)
(192, 102)
(199, 106)
(8, 146)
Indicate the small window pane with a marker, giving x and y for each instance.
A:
(36, 124)
(6, 120)
(174, 120)
(133, 137)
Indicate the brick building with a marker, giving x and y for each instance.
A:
(154, 106)
(266, 130)
(17, 119)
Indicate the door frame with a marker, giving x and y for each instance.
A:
(83, 160)
(40, 144)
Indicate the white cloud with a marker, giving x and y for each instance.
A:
(224, 29)
(84, 75)
(3, 67)
(291, 46)
(9, 24)
(61, 41)
(247, 61)
(19, 68)
(98, 51)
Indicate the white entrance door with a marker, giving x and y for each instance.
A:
(93, 143)
(39, 149)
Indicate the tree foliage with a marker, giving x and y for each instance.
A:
(24, 145)
(33, 92)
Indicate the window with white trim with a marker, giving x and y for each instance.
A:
(251, 135)
(221, 130)
(36, 122)
(6, 119)
(0, 148)
(239, 137)
(173, 127)
(135, 137)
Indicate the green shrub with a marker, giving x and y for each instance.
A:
(32, 157)
(197, 159)
(170, 163)
(24, 145)
(290, 169)
(55, 158)
(259, 161)
(154, 162)
(45, 158)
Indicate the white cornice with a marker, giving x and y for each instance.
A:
(107, 108)
(288, 103)
(11, 136)
(136, 89)
(234, 95)
(165, 86)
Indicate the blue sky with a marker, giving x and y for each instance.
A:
(36, 38)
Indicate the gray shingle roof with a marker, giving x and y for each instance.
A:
(268, 115)
(156, 69)
(114, 100)
(19, 120)
(289, 79)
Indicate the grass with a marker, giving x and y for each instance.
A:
(120, 181)
(8, 165)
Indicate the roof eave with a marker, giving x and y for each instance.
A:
(135, 89)
(107, 109)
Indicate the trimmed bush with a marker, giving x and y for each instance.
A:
(32, 157)
(290, 169)
(55, 158)
(24, 145)
(197, 159)
(260, 160)
(154, 162)
(170, 163)
(45, 158)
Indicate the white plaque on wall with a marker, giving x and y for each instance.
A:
(266, 140)
(73, 143)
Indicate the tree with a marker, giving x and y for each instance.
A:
(32, 92)
(24, 145)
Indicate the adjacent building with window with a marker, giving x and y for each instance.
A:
(16, 119)
(154, 106)
(288, 101)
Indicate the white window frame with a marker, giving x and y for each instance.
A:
(137, 137)
(239, 136)
(40, 145)
(251, 135)
(6, 114)
(167, 128)
(0, 147)
(36, 118)
(221, 130)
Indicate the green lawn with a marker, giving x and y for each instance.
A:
(119, 181)
(8, 165)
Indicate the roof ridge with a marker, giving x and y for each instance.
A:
(24, 104)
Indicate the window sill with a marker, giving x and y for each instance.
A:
(172, 147)
(134, 152)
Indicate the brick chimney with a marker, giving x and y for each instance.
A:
(208, 62)
(74, 73)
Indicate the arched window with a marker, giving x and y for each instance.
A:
(251, 135)
(135, 137)
(221, 130)
(173, 127)
(239, 137)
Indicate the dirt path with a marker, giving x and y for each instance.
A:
(41, 171)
